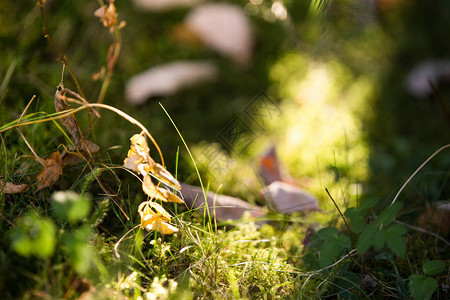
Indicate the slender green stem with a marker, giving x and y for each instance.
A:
(63, 59)
(60, 54)
(90, 105)
(190, 154)
(343, 218)
(418, 169)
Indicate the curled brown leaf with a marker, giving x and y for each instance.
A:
(11, 188)
(51, 172)
(71, 124)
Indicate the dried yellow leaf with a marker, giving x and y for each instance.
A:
(133, 161)
(140, 144)
(153, 215)
(140, 147)
(122, 25)
(171, 197)
(107, 15)
(165, 228)
(155, 192)
(148, 221)
(150, 189)
(151, 222)
(164, 175)
(160, 210)
(149, 208)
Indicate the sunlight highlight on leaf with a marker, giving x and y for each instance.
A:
(153, 215)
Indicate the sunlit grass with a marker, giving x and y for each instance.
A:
(319, 128)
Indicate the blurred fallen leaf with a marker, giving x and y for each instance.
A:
(436, 218)
(226, 207)
(164, 5)
(183, 35)
(270, 167)
(168, 79)
(224, 28)
(271, 170)
(288, 198)
(11, 188)
(435, 71)
(51, 172)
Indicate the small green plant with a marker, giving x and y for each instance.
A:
(70, 207)
(375, 236)
(34, 235)
(37, 236)
(380, 232)
(422, 287)
(61, 244)
(332, 244)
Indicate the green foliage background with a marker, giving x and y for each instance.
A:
(346, 123)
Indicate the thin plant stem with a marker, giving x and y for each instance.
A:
(423, 231)
(108, 76)
(112, 59)
(69, 112)
(121, 239)
(60, 54)
(26, 107)
(343, 218)
(63, 59)
(40, 160)
(190, 155)
(418, 169)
